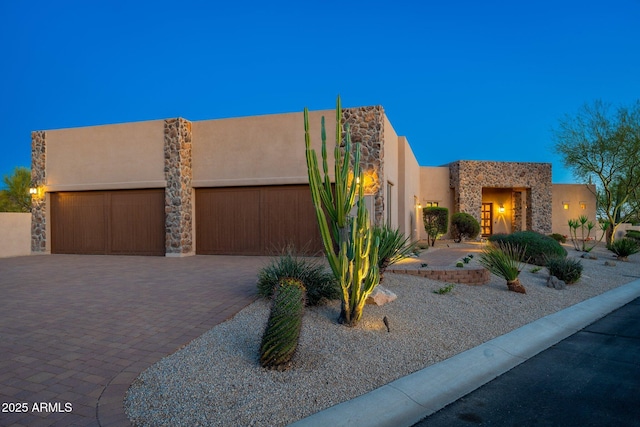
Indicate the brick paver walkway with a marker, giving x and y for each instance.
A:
(75, 331)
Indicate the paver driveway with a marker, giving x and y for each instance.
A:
(76, 330)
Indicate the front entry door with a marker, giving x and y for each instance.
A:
(486, 219)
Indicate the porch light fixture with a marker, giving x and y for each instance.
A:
(565, 206)
(33, 191)
(501, 209)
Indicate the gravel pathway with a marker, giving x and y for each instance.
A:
(216, 379)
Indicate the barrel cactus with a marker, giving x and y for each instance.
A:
(280, 338)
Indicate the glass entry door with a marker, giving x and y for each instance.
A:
(486, 219)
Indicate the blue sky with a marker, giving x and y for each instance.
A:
(460, 79)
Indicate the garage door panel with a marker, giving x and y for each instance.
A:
(137, 222)
(78, 223)
(227, 222)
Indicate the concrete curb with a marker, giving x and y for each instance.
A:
(407, 400)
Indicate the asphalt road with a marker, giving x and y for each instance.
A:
(591, 378)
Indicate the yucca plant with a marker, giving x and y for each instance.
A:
(349, 243)
(624, 247)
(281, 335)
(505, 260)
(394, 246)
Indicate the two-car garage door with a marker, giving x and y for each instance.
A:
(125, 222)
(256, 220)
(232, 221)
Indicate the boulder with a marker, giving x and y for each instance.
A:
(555, 283)
(610, 263)
(380, 296)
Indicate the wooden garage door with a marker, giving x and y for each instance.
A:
(256, 220)
(127, 222)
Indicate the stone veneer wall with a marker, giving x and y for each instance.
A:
(178, 200)
(367, 128)
(469, 177)
(516, 221)
(38, 201)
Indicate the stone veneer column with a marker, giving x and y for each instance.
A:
(367, 128)
(177, 198)
(516, 223)
(38, 201)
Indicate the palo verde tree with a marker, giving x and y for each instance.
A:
(349, 241)
(603, 147)
(15, 197)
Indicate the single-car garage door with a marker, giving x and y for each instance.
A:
(256, 220)
(125, 222)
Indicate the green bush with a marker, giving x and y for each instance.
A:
(633, 234)
(464, 226)
(558, 237)
(318, 280)
(538, 247)
(624, 247)
(281, 335)
(568, 270)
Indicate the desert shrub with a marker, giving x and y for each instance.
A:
(538, 247)
(436, 222)
(392, 247)
(568, 270)
(633, 234)
(558, 237)
(319, 281)
(281, 335)
(624, 247)
(464, 226)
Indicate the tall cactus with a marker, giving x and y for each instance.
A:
(348, 241)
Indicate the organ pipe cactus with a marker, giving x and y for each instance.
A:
(281, 335)
(349, 242)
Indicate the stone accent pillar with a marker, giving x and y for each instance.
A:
(516, 224)
(367, 128)
(38, 200)
(177, 171)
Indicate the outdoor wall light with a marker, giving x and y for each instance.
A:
(501, 209)
(583, 205)
(33, 191)
(565, 206)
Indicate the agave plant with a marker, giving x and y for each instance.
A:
(505, 260)
(624, 247)
(393, 247)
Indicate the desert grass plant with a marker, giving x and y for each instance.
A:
(445, 289)
(505, 260)
(319, 282)
(394, 246)
(624, 247)
(568, 270)
(282, 333)
(349, 242)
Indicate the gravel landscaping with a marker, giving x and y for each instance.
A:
(216, 379)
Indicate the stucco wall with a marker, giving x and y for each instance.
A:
(260, 150)
(573, 195)
(391, 174)
(434, 187)
(409, 217)
(120, 156)
(15, 234)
